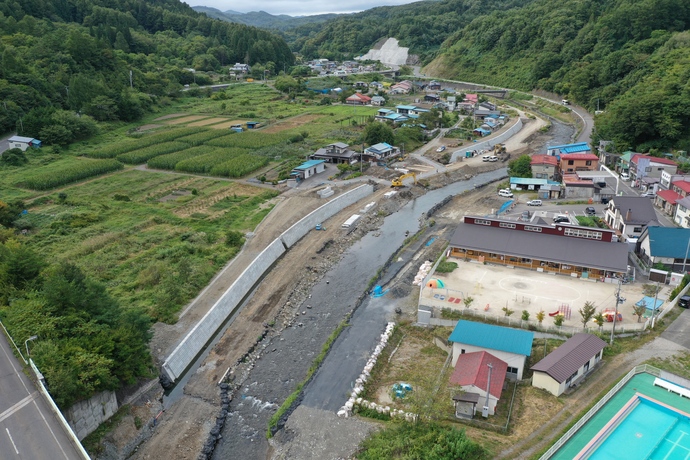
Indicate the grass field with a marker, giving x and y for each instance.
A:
(154, 239)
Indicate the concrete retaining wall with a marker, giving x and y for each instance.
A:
(183, 355)
(185, 352)
(488, 144)
(295, 233)
(85, 416)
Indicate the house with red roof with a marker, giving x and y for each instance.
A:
(544, 166)
(474, 373)
(573, 162)
(668, 200)
(358, 99)
(649, 166)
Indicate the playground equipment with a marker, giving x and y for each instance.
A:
(563, 309)
(609, 314)
(398, 182)
(435, 284)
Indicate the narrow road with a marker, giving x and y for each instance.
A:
(28, 427)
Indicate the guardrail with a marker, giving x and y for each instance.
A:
(585, 418)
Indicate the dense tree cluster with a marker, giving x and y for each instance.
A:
(86, 341)
(112, 60)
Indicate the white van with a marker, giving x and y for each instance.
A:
(534, 203)
(625, 176)
(505, 193)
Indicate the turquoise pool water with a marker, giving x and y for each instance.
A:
(648, 431)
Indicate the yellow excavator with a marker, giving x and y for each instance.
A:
(398, 182)
(499, 149)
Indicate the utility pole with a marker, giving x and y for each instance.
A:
(485, 412)
(615, 313)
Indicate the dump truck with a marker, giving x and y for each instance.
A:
(398, 182)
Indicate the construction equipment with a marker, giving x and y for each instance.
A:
(399, 181)
(499, 149)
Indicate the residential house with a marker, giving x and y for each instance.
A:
(434, 86)
(472, 99)
(646, 165)
(381, 151)
(544, 166)
(600, 185)
(629, 215)
(431, 97)
(308, 169)
(378, 101)
(512, 346)
(358, 99)
(682, 215)
(580, 147)
(623, 165)
(481, 132)
(361, 84)
(376, 86)
(667, 200)
(411, 111)
(669, 246)
(608, 159)
(336, 153)
(572, 162)
(241, 68)
(403, 87)
(568, 364)
(474, 372)
(481, 113)
(23, 143)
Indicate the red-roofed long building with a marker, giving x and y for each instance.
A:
(358, 99)
(472, 374)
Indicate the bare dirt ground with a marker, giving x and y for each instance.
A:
(294, 122)
(187, 119)
(209, 121)
(148, 127)
(172, 115)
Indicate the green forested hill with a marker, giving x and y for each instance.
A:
(263, 19)
(628, 56)
(77, 55)
(422, 26)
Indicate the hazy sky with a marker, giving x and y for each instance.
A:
(295, 7)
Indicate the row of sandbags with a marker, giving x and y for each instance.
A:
(422, 273)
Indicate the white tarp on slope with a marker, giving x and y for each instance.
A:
(390, 53)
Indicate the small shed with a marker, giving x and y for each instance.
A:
(567, 364)
(478, 372)
(253, 124)
(466, 404)
(308, 169)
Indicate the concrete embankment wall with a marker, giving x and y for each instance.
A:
(85, 416)
(295, 233)
(488, 144)
(185, 352)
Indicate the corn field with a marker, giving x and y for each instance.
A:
(168, 161)
(250, 140)
(239, 166)
(204, 136)
(204, 163)
(55, 176)
(143, 155)
(111, 151)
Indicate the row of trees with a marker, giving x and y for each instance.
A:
(86, 341)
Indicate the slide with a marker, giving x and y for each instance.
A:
(554, 313)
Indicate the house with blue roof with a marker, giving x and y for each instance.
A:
(557, 150)
(481, 132)
(308, 169)
(669, 246)
(381, 151)
(510, 345)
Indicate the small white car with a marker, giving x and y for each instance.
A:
(486, 158)
(534, 203)
(493, 158)
(441, 148)
(625, 176)
(505, 193)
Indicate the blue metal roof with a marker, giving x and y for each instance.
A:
(406, 107)
(668, 241)
(575, 149)
(565, 146)
(309, 164)
(528, 181)
(493, 337)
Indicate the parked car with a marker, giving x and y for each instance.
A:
(648, 194)
(590, 211)
(486, 158)
(493, 158)
(441, 148)
(526, 216)
(625, 176)
(534, 203)
(505, 193)
(605, 200)
(684, 301)
(561, 219)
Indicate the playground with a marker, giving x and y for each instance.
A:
(494, 288)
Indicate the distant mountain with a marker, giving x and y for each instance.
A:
(264, 20)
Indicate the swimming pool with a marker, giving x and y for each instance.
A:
(645, 429)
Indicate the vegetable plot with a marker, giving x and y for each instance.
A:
(55, 176)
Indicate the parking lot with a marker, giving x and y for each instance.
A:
(495, 287)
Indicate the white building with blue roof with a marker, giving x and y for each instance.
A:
(669, 246)
(510, 345)
(381, 151)
(308, 169)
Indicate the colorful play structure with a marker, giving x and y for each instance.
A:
(609, 314)
(563, 310)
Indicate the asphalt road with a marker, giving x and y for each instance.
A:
(679, 330)
(28, 428)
